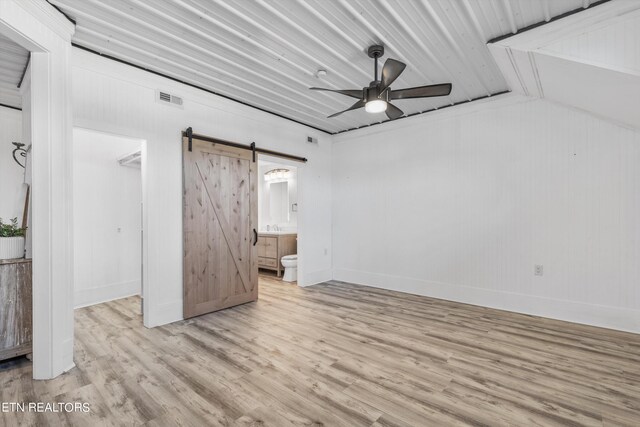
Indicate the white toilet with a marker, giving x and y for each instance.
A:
(290, 264)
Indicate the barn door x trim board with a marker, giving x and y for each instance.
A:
(188, 133)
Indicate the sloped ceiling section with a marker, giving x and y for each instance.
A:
(13, 59)
(266, 53)
(589, 61)
(613, 42)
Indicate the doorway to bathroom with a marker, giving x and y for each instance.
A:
(107, 222)
(277, 220)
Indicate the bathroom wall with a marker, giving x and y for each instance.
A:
(107, 220)
(264, 209)
(462, 203)
(11, 175)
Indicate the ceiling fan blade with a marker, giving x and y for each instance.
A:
(390, 72)
(354, 93)
(393, 112)
(355, 106)
(421, 91)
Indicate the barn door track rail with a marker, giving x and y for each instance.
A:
(252, 147)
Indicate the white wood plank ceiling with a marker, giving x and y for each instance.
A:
(13, 59)
(266, 53)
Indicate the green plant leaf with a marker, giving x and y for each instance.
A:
(12, 229)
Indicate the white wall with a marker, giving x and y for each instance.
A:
(588, 60)
(609, 43)
(107, 218)
(460, 204)
(11, 175)
(264, 198)
(116, 98)
(38, 27)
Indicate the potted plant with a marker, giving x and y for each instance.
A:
(11, 240)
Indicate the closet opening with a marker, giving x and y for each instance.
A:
(107, 227)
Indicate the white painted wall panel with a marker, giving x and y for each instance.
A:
(614, 43)
(589, 61)
(107, 217)
(462, 204)
(11, 175)
(116, 98)
(600, 90)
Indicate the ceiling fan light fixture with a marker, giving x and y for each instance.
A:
(377, 97)
(376, 106)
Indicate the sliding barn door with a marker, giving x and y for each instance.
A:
(219, 217)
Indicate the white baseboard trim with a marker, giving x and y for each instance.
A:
(93, 296)
(316, 277)
(622, 319)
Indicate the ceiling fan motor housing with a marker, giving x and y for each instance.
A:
(372, 93)
(375, 98)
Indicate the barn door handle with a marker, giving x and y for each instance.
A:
(255, 235)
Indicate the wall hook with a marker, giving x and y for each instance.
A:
(21, 152)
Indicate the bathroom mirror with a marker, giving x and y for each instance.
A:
(279, 202)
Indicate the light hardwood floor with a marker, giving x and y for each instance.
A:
(338, 355)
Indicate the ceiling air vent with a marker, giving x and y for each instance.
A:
(164, 97)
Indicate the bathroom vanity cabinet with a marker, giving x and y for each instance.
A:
(272, 247)
(15, 307)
